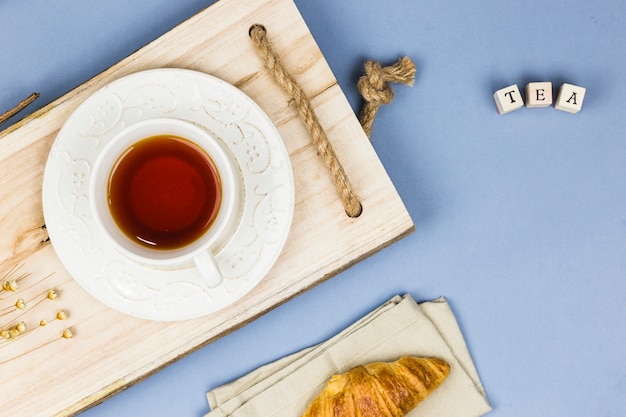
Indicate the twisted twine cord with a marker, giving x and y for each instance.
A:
(21, 105)
(271, 61)
(375, 89)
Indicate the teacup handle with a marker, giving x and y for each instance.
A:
(209, 270)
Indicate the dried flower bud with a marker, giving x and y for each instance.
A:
(10, 286)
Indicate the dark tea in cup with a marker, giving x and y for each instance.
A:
(164, 192)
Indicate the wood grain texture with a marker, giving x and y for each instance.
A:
(51, 375)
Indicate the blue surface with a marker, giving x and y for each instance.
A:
(520, 218)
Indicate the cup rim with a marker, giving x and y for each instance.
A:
(101, 171)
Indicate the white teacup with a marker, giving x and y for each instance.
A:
(165, 213)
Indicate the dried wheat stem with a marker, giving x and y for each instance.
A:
(20, 106)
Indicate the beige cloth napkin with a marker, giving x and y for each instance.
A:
(399, 327)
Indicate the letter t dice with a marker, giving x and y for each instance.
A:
(508, 99)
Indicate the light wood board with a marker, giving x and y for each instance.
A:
(44, 374)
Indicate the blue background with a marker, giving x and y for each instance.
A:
(520, 218)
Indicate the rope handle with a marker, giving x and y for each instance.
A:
(373, 86)
(271, 61)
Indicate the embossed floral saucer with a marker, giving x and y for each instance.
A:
(231, 117)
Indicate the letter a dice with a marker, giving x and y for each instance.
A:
(508, 99)
(570, 98)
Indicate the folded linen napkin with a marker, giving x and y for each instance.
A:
(285, 388)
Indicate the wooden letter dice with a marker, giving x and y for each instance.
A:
(570, 98)
(538, 95)
(508, 99)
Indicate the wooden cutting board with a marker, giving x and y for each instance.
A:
(44, 373)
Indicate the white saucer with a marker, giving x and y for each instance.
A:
(230, 116)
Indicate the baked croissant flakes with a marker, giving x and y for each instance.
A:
(380, 389)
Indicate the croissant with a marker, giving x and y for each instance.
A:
(380, 389)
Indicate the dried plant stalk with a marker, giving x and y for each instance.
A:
(15, 110)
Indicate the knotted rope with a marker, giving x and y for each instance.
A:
(271, 61)
(375, 89)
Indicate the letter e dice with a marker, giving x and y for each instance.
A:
(538, 95)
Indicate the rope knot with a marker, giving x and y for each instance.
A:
(373, 86)
(375, 89)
